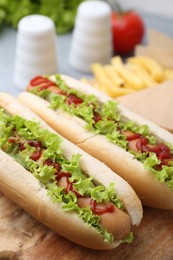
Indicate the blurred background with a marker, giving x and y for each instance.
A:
(156, 15)
(159, 7)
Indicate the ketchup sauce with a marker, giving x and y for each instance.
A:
(37, 154)
(22, 146)
(63, 174)
(73, 99)
(133, 136)
(56, 165)
(161, 150)
(69, 186)
(107, 208)
(35, 143)
(96, 209)
(41, 81)
(141, 144)
(12, 140)
(97, 117)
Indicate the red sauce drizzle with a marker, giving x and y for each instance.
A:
(73, 99)
(97, 117)
(15, 140)
(38, 145)
(36, 155)
(162, 151)
(21, 146)
(133, 137)
(63, 174)
(57, 166)
(141, 144)
(69, 183)
(108, 208)
(35, 143)
(41, 81)
(12, 139)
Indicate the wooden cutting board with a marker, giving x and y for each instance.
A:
(23, 238)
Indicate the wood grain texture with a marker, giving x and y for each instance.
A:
(30, 240)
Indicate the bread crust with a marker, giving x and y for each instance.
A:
(69, 126)
(151, 192)
(40, 206)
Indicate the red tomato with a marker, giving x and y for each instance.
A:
(127, 31)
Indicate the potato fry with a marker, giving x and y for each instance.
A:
(121, 78)
(167, 74)
(115, 91)
(114, 76)
(153, 67)
(129, 77)
(105, 83)
(142, 73)
(117, 60)
(100, 74)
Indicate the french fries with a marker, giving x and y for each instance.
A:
(153, 67)
(110, 81)
(121, 78)
(142, 74)
(113, 75)
(129, 77)
(168, 74)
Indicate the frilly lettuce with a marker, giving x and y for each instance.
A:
(140, 129)
(30, 130)
(165, 174)
(110, 110)
(129, 238)
(110, 125)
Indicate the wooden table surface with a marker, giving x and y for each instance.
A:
(23, 238)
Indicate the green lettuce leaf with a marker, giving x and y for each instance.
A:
(151, 161)
(105, 126)
(55, 192)
(111, 125)
(164, 175)
(110, 110)
(117, 138)
(129, 238)
(140, 129)
(84, 186)
(31, 130)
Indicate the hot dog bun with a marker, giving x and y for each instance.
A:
(25, 190)
(152, 192)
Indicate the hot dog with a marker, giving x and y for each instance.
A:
(138, 150)
(59, 184)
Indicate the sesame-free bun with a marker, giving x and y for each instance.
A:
(151, 192)
(25, 190)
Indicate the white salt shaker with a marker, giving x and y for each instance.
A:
(35, 49)
(92, 37)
